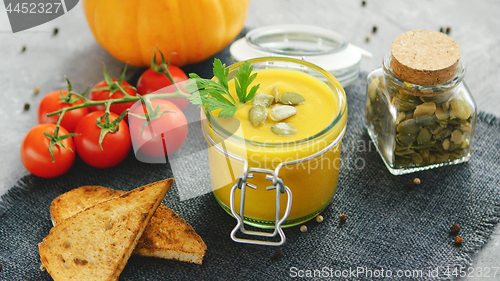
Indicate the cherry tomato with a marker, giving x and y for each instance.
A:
(117, 108)
(151, 81)
(115, 146)
(36, 157)
(163, 135)
(52, 102)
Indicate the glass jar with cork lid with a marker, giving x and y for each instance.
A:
(420, 113)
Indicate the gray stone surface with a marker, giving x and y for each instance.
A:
(475, 26)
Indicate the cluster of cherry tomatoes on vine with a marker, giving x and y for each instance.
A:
(104, 140)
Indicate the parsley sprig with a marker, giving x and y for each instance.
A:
(214, 95)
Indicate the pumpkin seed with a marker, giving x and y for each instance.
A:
(460, 109)
(283, 129)
(401, 116)
(404, 152)
(446, 144)
(425, 155)
(257, 115)
(465, 144)
(402, 148)
(457, 136)
(408, 127)
(372, 90)
(406, 140)
(432, 159)
(291, 98)
(427, 145)
(263, 99)
(275, 94)
(403, 161)
(426, 108)
(456, 155)
(442, 123)
(436, 128)
(424, 136)
(442, 113)
(443, 134)
(442, 157)
(281, 112)
(417, 159)
(437, 98)
(405, 95)
(426, 120)
(404, 105)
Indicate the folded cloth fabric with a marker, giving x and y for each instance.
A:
(392, 228)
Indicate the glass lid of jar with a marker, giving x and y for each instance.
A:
(320, 46)
(296, 40)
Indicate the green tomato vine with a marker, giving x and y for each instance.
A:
(110, 126)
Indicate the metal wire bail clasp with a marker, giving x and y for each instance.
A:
(279, 187)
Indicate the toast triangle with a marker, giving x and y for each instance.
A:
(167, 235)
(96, 243)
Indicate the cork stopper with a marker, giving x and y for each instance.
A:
(424, 57)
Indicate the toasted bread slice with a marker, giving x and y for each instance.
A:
(96, 243)
(167, 235)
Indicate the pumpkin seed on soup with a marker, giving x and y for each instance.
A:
(275, 94)
(283, 129)
(257, 115)
(291, 98)
(281, 112)
(263, 99)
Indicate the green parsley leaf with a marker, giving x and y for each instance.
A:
(243, 77)
(214, 95)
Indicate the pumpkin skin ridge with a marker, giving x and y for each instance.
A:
(122, 28)
(145, 42)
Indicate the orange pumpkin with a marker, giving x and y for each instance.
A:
(130, 30)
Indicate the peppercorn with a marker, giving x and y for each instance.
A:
(343, 218)
(448, 30)
(303, 228)
(459, 240)
(367, 38)
(416, 181)
(23, 49)
(441, 29)
(363, 3)
(56, 30)
(278, 254)
(319, 218)
(374, 29)
(455, 228)
(26, 106)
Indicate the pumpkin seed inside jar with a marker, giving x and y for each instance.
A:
(419, 112)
